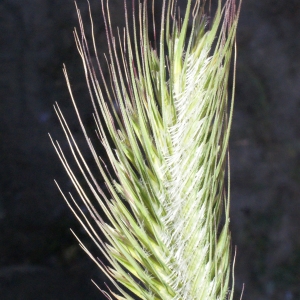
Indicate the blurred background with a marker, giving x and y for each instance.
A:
(39, 257)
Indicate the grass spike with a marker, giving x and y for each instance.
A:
(164, 119)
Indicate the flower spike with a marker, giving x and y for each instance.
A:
(164, 118)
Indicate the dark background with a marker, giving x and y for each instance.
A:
(39, 257)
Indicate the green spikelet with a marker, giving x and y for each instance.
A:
(164, 121)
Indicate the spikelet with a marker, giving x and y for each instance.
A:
(164, 124)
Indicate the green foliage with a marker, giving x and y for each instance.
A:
(167, 140)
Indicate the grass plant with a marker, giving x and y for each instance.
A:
(163, 117)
